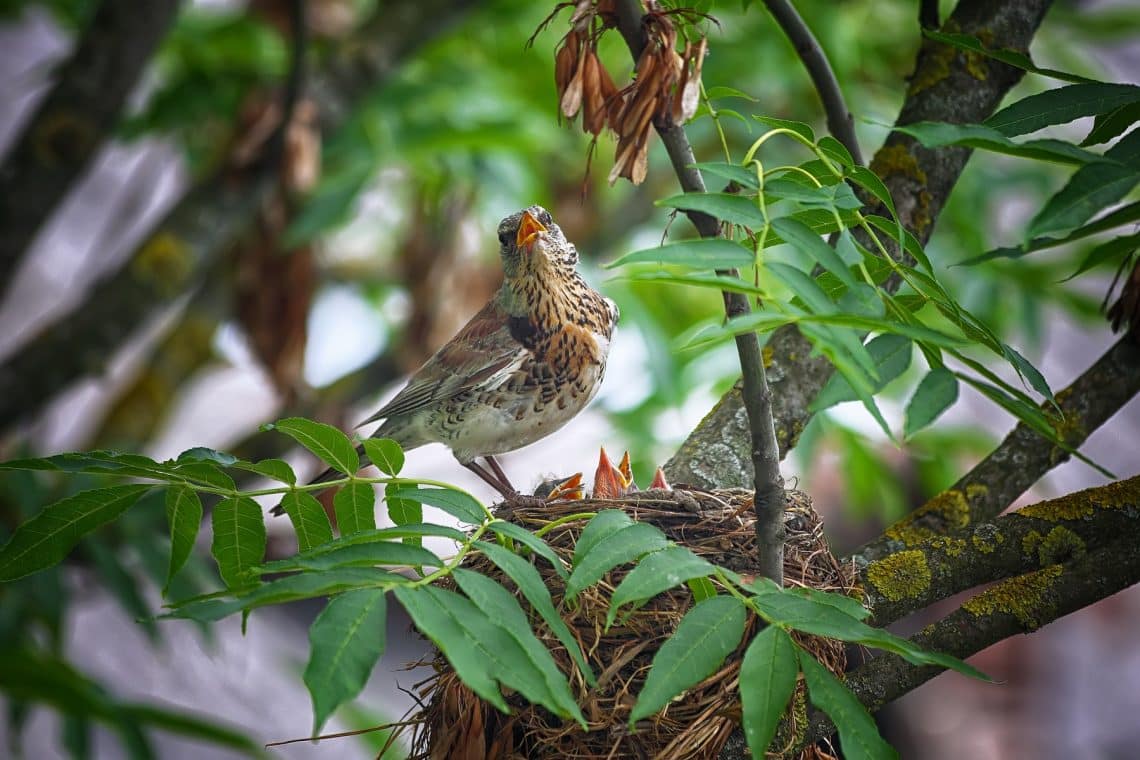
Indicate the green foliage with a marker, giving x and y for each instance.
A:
(482, 627)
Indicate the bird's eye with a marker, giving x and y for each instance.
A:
(505, 238)
(545, 218)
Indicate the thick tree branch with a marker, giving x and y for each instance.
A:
(75, 118)
(1032, 538)
(839, 120)
(770, 500)
(945, 86)
(1022, 458)
(174, 257)
(1018, 605)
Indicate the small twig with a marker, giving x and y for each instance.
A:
(928, 14)
(839, 120)
(770, 500)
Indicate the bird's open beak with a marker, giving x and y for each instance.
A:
(528, 228)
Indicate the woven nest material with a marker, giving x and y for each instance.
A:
(717, 525)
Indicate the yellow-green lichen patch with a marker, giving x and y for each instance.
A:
(934, 66)
(987, 538)
(900, 576)
(951, 547)
(1083, 504)
(164, 262)
(1026, 597)
(766, 355)
(975, 492)
(896, 159)
(1059, 545)
(946, 512)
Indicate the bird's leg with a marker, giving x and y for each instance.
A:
(502, 476)
(490, 479)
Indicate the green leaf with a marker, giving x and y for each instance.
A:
(705, 636)
(718, 92)
(532, 542)
(1112, 124)
(934, 395)
(330, 205)
(845, 604)
(187, 724)
(355, 555)
(891, 354)
(1028, 372)
(206, 473)
(908, 241)
(355, 508)
(660, 571)
(346, 640)
(531, 585)
(292, 588)
(767, 680)
(100, 463)
(700, 280)
(741, 175)
(858, 735)
(1005, 55)
(795, 188)
(700, 588)
(1061, 106)
(798, 127)
(936, 134)
(1088, 191)
(616, 549)
(330, 445)
(797, 234)
(239, 538)
(504, 611)
(825, 619)
(123, 585)
(1114, 249)
(725, 207)
(410, 530)
(1121, 216)
(768, 320)
(274, 469)
(604, 524)
(310, 522)
(836, 151)
(459, 504)
(704, 253)
(46, 538)
(386, 454)
(184, 516)
(482, 653)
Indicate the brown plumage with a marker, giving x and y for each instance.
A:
(523, 367)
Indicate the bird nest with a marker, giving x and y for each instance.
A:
(454, 723)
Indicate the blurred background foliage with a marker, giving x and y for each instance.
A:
(390, 222)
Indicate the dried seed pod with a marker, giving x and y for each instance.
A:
(611, 99)
(566, 62)
(640, 168)
(593, 102)
(571, 101)
(688, 94)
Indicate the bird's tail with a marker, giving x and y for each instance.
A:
(329, 474)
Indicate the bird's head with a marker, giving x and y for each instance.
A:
(532, 245)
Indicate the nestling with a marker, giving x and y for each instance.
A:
(523, 367)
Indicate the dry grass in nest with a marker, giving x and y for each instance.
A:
(455, 723)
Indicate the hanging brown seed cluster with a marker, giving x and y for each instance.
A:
(665, 89)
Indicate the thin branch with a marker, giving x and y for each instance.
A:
(928, 14)
(944, 87)
(769, 501)
(75, 118)
(1022, 458)
(1032, 538)
(1015, 606)
(839, 120)
(174, 257)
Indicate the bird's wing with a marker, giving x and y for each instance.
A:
(483, 354)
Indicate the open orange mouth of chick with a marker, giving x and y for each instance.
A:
(529, 227)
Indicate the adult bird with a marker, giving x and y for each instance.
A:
(523, 367)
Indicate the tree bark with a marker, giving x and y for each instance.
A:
(75, 118)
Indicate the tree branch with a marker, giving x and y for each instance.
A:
(75, 118)
(945, 86)
(1018, 605)
(1032, 538)
(174, 257)
(839, 120)
(769, 501)
(1022, 458)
